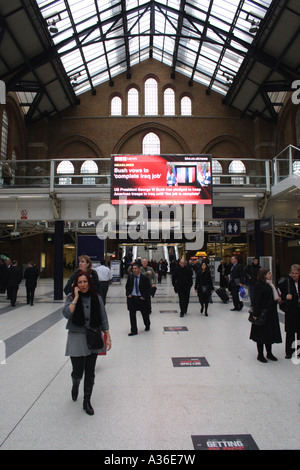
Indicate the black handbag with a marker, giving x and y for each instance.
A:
(261, 320)
(94, 338)
(153, 290)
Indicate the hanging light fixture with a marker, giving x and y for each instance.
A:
(52, 27)
(254, 27)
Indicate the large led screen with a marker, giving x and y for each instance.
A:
(161, 179)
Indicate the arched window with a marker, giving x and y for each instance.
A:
(169, 102)
(116, 106)
(4, 135)
(133, 102)
(216, 169)
(236, 166)
(151, 105)
(89, 166)
(65, 167)
(151, 144)
(186, 106)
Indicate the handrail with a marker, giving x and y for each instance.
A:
(261, 173)
(283, 167)
(286, 148)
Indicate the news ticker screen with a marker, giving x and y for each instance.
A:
(161, 179)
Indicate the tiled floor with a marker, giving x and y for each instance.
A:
(141, 400)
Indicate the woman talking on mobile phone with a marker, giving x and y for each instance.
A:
(84, 308)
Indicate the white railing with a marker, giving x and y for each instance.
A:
(257, 173)
(286, 163)
(46, 173)
(260, 173)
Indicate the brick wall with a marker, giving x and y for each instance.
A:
(88, 130)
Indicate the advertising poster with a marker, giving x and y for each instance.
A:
(161, 179)
(115, 267)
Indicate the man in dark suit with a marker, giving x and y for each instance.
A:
(14, 278)
(236, 279)
(31, 275)
(138, 290)
(182, 282)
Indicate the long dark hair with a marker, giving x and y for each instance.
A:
(261, 276)
(78, 315)
(89, 279)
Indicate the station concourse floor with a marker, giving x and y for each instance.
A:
(141, 400)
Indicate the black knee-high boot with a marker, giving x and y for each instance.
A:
(87, 401)
(260, 349)
(75, 388)
(269, 353)
(88, 389)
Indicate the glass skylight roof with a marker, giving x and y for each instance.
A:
(205, 40)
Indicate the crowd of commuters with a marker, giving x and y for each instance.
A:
(269, 298)
(87, 288)
(264, 296)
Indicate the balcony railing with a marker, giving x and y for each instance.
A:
(55, 174)
(286, 163)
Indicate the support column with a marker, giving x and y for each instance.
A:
(259, 239)
(58, 260)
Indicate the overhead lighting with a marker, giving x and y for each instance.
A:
(52, 27)
(51, 22)
(229, 77)
(254, 27)
(73, 78)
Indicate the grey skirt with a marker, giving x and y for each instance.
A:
(77, 346)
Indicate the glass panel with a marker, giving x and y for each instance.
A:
(116, 106)
(186, 106)
(133, 102)
(151, 144)
(99, 26)
(169, 102)
(236, 166)
(4, 135)
(65, 167)
(89, 166)
(216, 169)
(151, 97)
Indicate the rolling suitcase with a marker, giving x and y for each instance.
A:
(223, 295)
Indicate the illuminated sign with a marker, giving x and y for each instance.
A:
(161, 179)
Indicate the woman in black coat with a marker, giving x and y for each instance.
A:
(204, 287)
(224, 271)
(290, 291)
(265, 297)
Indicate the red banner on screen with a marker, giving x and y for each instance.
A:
(161, 179)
